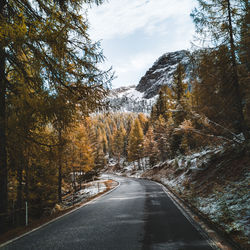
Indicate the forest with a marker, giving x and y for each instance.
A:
(54, 115)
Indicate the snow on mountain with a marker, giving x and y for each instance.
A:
(141, 98)
(128, 99)
(161, 73)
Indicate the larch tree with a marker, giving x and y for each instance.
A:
(53, 36)
(150, 148)
(99, 149)
(135, 143)
(179, 98)
(144, 122)
(118, 143)
(163, 105)
(219, 20)
(162, 132)
(244, 57)
(244, 43)
(213, 88)
(179, 86)
(104, 142)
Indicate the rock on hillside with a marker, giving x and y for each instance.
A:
(161, 73)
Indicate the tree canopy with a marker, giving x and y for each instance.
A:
(49, 72)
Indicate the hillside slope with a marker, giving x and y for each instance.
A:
(214, 182)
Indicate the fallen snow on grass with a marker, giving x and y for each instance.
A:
(230, 207)
(88, 190)
(94, 188)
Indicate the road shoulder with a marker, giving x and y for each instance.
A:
(215, 238)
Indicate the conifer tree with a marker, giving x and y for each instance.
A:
(179, 88)
(135, 143)
(163, 105)
(118, 143)
(219, 20)
(144, 122)
(212, 90)
(40, 34)
(150, 147)
(104, 142)
(162, 131)
(99, 148)
(244, 48)
(244, 56)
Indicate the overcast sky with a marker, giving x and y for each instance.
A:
(134, 33)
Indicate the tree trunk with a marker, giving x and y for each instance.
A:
(119, 160)
(60, 148)
(19, 193)
(139, 164)
(245, 35)
(3, 154)
(239, 105)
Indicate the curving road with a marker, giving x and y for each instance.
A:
(136, 215)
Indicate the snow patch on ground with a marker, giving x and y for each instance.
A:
(128, 99)
(88, 190)
(230, 207)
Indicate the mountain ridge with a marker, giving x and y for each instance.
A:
(141, 97)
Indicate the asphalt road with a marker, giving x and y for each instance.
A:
(137, 215)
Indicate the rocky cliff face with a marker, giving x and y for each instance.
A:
(161, 73)
(140, 98)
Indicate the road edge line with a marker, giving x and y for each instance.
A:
(189, 217)
(61, 216)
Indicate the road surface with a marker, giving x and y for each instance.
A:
(136, 215)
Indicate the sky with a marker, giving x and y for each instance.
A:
(135, 33)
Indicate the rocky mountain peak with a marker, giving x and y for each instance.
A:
(161, 73)
(140, 98)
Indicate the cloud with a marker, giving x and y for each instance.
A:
(136, 64)
(119, 18)
(142, 61)
(135, 33)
